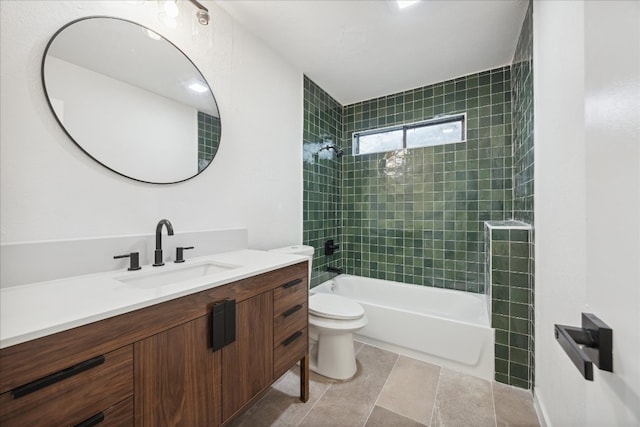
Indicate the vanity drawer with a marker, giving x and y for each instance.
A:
(73, 395)
(119, 415)
(288, 351)
(288, 322)
(289, 294)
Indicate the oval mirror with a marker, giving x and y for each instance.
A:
(131, 100)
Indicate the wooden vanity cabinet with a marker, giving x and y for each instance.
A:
(177, 377)
(159, 367)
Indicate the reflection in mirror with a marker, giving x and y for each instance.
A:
(131, 100)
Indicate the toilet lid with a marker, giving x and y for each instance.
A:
(334, 307)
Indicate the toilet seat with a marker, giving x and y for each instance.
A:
(331, 306)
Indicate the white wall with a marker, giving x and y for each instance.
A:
(51, 190)
(159, 143)
(587, 203)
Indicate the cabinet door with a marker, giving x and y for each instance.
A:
(247, 363)
(178, 377)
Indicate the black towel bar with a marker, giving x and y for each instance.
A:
(593, 343)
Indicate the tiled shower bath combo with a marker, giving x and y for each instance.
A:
(417, 216)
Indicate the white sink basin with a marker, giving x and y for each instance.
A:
(169, 277)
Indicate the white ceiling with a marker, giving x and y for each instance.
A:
(362, 49)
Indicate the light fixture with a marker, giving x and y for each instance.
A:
(406, 3)
(199, 87)
(170, 11)
(202, 14)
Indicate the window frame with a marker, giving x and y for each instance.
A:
(460, 117)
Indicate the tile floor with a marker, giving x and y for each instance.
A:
(392, 390)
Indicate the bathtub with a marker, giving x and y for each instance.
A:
(445, 327)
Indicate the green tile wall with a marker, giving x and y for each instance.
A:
(508, 250)
(321, 177)
(421, 221)
(523, 149)
(522, 97)
(208, 138)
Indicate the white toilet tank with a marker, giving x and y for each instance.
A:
(298, 250)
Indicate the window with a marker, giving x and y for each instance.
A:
(442, 130)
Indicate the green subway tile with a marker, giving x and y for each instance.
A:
(500, 234)
(519, 310)
(520, 280)
(500, 248)
(501, 378)
(518, 340)
(517, 355)
(520, 295)
(502, 366)
(502, 351)
(501, 292)
(519, 265)
(519, 236)
(517, 382)
(519, 325)
(500, 278)
(500, 307)
(502, 337)
(500, 322)
(519, 371)
(519, 250)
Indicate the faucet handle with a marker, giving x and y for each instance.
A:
(134, 263)
(180, 253)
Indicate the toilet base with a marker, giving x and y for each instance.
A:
(333, 356)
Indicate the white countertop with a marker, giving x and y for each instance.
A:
(36, 310)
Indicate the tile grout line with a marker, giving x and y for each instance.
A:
(381, 389)
(493, 402)
(314, 405)
(435, 397)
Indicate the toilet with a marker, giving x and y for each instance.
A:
(332, 321)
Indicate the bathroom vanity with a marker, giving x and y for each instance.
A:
(156, 365)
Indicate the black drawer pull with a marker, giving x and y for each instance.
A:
(292, 338)
(36, 385)
(291, 311)
(93, 421)
(292, 283)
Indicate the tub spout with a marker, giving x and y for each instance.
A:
(337, 270)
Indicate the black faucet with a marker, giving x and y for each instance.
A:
(158, 252)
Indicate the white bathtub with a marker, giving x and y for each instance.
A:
(446, 327)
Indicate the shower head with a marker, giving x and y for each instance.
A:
(339, 151)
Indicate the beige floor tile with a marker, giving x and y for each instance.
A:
(349, 403)
(281, 406)
(381, 417)
(462, 401)
(514, 406)
(411, 389)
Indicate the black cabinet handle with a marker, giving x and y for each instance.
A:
(36, 385)
(93, 421)
(292, 283)
(292, 338)
(223, 327)
(291, 311)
